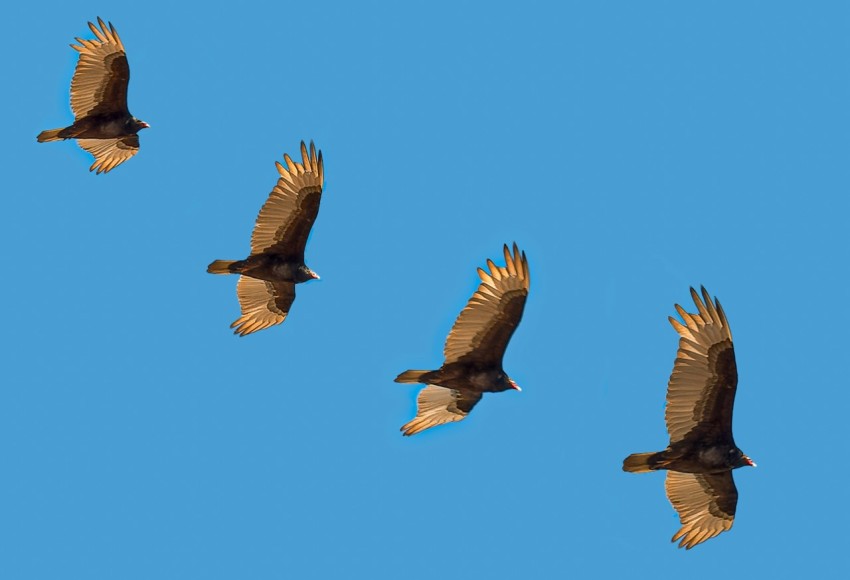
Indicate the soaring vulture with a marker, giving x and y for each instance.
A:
(103, 125)
(702, 452)
(266, 288)
(474, 348)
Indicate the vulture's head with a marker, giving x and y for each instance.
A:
(305, 274)
(738, 459)
(137, 125)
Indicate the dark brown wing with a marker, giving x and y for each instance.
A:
(701, 391)
(288, 215)
(439, 405)
(484, 327)
(264, 304)
(110, 153)
(100, 80)
(705, 502)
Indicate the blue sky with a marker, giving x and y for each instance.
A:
(631, 149)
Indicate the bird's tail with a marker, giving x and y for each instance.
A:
(643, 462)
(411, 377)
(49, 135)
(222, 267)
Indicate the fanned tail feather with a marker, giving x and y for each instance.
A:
(49, 135)
(222, 267)
(642, 462)
(411, 377)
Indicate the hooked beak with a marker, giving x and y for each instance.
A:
(314, 275)
(144, 125)
(514, 385)
(749, 461)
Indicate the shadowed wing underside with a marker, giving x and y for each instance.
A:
(263, 304)
(100, 80)
(110, 153)
(701, 391)
(484, 327)
(286, 218)
(439, 405)
(705, 503)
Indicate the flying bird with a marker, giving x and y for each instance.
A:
(266, 287)
(474, 348)
(103, 125)
(702, 452)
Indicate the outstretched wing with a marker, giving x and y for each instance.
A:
(288, 215)
(439, 405)
(701, 391)
(110, 153)
(264, 304)
(484, 327)
(100, 80)
(705, 502)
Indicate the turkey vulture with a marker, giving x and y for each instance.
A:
(702, 452)
(266, 288)
(474, 348)
(103, 125)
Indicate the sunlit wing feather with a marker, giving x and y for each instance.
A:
(263, 304)
(110, 153)
(100, 80)
(701, 391)
(439, 405)
(286, 218)
(705, 502)
(488, 321)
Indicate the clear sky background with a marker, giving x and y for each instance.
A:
(631, 149)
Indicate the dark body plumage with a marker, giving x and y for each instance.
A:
(468, 376)
(702, 452)
(266, 287)
(272, 267)
(103, 125)
(474, 348)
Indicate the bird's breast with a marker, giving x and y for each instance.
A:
(714, 458)
(102, 127)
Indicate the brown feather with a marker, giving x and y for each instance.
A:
(221, 267)
(102, 74)
(705, 502)
(702, 386)
(485, 326)
(49, 135)
(438, 405)
(410, 376)
(110, 153)
(263, 304)
(285, 220)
